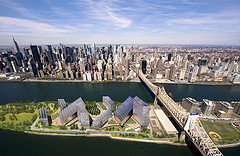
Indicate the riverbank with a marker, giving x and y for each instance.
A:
(125, 139)
(124, 81)
(109, 136)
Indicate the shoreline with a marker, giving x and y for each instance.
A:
(124, 81)
(119, 138)
(106, 135)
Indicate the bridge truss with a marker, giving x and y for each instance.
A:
(196, 132)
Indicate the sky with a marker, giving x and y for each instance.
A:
(212, 22)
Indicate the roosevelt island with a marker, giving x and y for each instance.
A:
(132, 120)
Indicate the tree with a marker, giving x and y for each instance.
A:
(34, 118)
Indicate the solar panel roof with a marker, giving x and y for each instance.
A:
(125, 108)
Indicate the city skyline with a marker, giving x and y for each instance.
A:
(120, 22)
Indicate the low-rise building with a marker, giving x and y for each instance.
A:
(75, 109)
(236, 106)
(102, 119)
(62, 104)
(166, 123)
(108, 102)
(225, 109)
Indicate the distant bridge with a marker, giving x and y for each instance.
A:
(195, 132)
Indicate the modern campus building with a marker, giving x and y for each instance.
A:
(124, 112)
(102, 119)
(207, 107)
(75, 108)
(43, 117)
(166, 123)
(191, 105)
(223, 109)
(62, 104)
(108, 102)
(141, 111)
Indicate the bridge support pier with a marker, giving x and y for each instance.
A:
(155, 101)
(182, 136)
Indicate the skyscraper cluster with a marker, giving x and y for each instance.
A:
(180, 64)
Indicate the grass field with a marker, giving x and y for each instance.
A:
(21, 117)
(130, 121)
(111, 122)
(54, 116)
(102, 106)
(228, 133)
(52, 127)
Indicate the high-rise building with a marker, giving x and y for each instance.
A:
(32, 67)
(43, 117)
(207, 107)
(15, 46)
(35, 54)
(141, 111)
(15, 66)
(202, 62)
(172, 72)
(49, 53)
(182, 74)
(169, 57)
(9, 64)
(93, 48)
(144, 66)
(167, 73)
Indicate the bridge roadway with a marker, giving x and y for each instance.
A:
(196, 132)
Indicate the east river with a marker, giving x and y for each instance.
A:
(17, 143)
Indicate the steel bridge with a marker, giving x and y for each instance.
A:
(196, 133)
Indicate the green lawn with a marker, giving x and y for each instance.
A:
(112, 129)
(228, 133)
(234, 115)
(102, 106)
(134, 136)
(111, 122)
(130, 130)
(54, 116)
(52, 127)
(21, 117)
(130, 121)
(116, 105)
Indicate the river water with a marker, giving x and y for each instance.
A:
(16, 143)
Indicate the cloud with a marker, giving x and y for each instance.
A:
(10, 26)
(220, 18)
(17, 7)
(102, 11)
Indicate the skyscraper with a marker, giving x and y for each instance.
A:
(49, 53)
(15, 46)
(144, 66)
(36, 56)
(172, 72)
